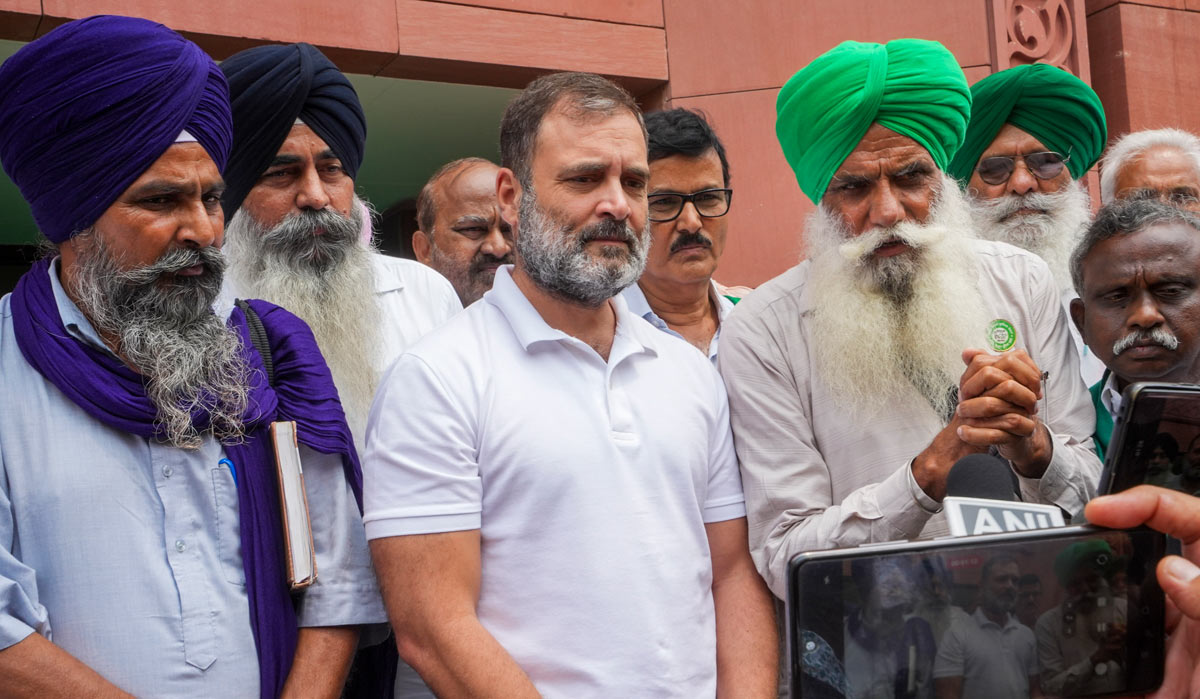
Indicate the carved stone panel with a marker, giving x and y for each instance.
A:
(1039, 31)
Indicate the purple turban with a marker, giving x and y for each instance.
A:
(272, 86)
(89, 107)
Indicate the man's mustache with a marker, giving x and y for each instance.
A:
(1003, 208)
(858, 248)
(175, 260)
(484, 259)
(1157, 335)
(690, 240)
(609, 229)
(334, 227)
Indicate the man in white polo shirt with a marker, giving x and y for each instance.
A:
(990, 653)
(553, 497)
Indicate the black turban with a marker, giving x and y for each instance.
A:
(272, 86)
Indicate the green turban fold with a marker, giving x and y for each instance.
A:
(1048, 103)
(912, 86)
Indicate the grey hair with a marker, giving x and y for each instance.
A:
(579, 96)
(1124, 218)
(1130, 146)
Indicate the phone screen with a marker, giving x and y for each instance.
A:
(1054, 617)
(1158, 441)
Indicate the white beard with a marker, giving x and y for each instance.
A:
(338, 303)
(874, 338)
(1051, 236)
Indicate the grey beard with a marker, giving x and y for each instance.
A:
(556, 259)
(893, 276)
(1051, 235)
(328, 281)
(190, 358)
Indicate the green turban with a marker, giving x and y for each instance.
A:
(1082, 555)
(912, 86)
(1048, 103)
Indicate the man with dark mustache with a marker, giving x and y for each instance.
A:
(1137, 272)
(462, 234)
(140, 528)
(299, 136)
(688, 199)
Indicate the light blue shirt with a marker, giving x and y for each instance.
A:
(126, 552)
(639, 306)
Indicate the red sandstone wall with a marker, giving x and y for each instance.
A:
(1145, 62)
(728, 59)
(486, 42)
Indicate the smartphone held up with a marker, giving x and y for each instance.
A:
(1065, 612)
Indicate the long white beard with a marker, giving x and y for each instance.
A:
(1051, 236)
(337, 302)
(882, 327)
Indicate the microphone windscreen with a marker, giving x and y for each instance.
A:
(982, 476)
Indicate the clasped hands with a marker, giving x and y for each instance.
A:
(997, 407)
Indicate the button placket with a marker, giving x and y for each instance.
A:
(180, 534)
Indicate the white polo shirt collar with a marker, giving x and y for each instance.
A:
(531, 329)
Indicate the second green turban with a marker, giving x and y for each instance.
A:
(1048, 103)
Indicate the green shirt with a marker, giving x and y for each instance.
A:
(1104, 419)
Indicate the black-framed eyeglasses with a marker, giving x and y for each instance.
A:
(709, 203)
(1045, 166)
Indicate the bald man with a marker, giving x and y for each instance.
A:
(461, 233)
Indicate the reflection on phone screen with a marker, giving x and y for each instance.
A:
(1159, 442)
(1048, 618)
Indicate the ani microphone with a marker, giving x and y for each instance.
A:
(981, 498)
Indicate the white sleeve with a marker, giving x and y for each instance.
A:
(724, 499)
(421, 470)
(950, 661)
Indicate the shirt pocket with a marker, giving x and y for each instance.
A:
(228, 525)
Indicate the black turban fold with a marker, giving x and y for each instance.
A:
(271, 87)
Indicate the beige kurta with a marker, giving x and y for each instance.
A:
(815, 477)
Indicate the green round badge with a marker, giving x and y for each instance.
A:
(1001, 335)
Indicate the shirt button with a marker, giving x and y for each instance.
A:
(180, 546)
(167, 471)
